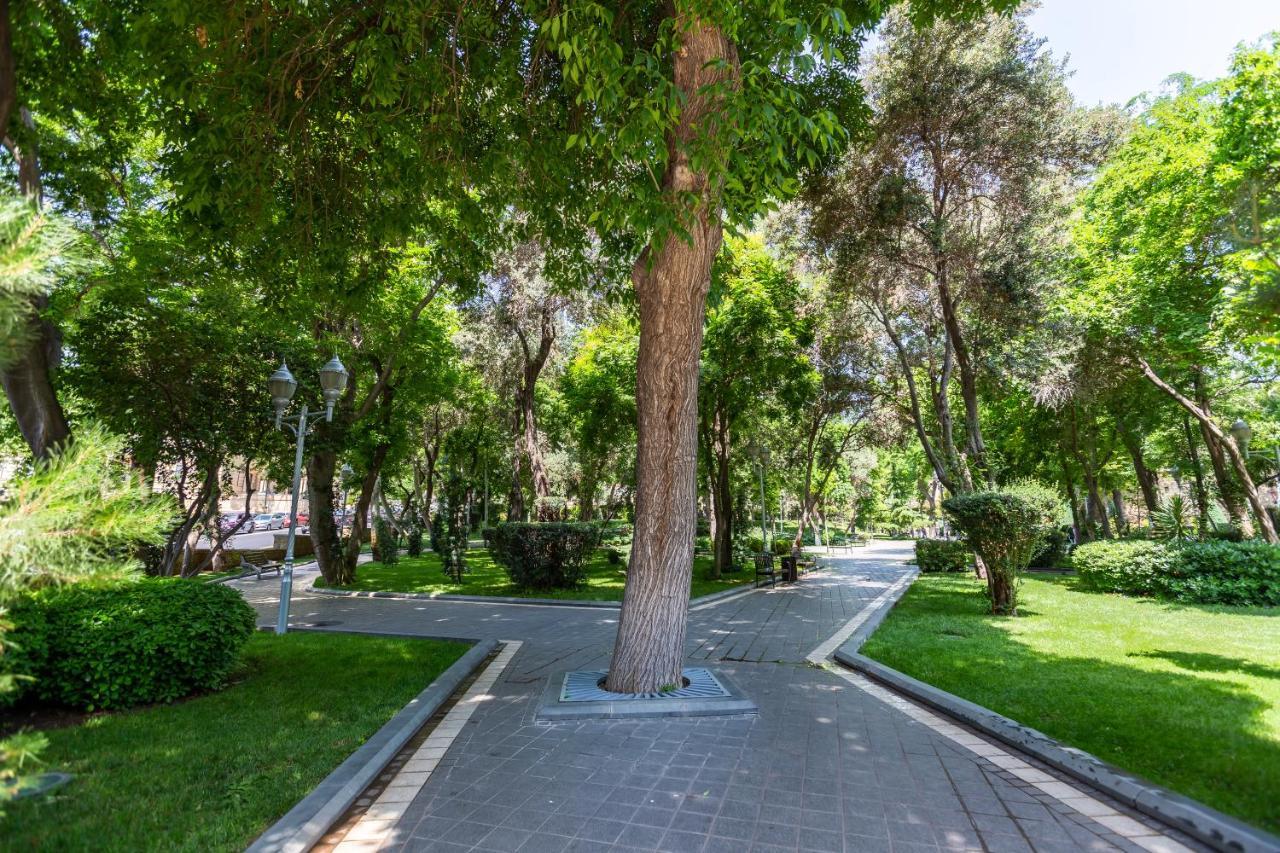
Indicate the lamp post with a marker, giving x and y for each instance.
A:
(761, 457)
(1243, 434)
(333, 381)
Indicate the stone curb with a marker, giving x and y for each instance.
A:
(1214, 828)
(510, 599)
(308, 821)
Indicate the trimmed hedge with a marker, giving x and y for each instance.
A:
(548, 555)
(1215, 572)
(943, 555)
(108, 647)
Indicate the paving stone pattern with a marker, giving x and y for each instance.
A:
(825, 766)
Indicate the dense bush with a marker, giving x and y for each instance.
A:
(1200, 572)
(413, 541)
(1055, 551)
(943, 555)
(544, 556)
(1005, 530)
(98, 647)
(387, 542)
(1131, 566)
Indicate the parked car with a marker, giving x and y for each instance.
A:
(282, 517)
(303, 521)
(231, 521)
(267, 521)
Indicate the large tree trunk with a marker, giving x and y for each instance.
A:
(27, 378)
(326, 537)
(671, 281)
(1263, 518)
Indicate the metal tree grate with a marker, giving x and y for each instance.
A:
(585, 686)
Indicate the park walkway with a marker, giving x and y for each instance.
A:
(831, 763)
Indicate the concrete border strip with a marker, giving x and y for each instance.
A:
(308, 821)
(375, 825)
(1197, 820)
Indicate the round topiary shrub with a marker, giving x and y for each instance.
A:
(544, 555)
(1005, 530)
(108, 647)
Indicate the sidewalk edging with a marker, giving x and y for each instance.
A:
(313, 816)
(1220, 831)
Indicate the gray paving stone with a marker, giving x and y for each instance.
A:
(822, 761)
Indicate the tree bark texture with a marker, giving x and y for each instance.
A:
(671, 281)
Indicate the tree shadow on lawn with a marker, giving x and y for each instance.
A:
(1205, 736)
(1207, 662)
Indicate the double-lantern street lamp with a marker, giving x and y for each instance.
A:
(333, 381)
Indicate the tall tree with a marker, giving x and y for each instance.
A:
(943, 221)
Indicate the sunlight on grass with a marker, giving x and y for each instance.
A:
(1185, 695)
(211, 773)
(605, 581)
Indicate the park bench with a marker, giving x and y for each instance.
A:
(765, 572)
(260, 563)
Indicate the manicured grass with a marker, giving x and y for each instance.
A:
(1187, 696)
(213, 772)
(485, 577)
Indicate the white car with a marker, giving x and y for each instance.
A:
(267, 521)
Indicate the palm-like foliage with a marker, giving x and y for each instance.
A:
(1174, 519)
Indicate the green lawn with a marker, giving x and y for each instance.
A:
(485, 577)
(1187, 696)
(214, 772)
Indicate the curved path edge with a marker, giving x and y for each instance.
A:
(313, 816)
(1220, 831)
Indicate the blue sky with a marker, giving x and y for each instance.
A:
(1120, 48)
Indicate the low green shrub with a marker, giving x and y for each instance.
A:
(943, 555)
(544, 555)
(782, 546)
(702, 543)
(413, 542)
(107, 647)
(615, 557)
(1214, 572)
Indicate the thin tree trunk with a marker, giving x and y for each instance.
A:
(1202, 494)
(1147, 478)
(671, 281)
(1263, 518)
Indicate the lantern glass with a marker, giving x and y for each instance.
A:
(1242, 433)
(282, 385)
